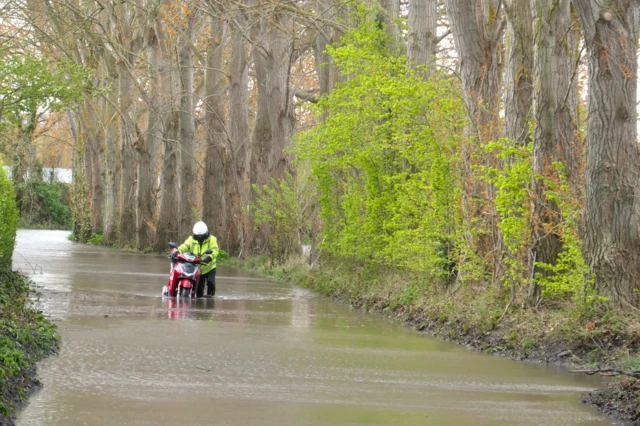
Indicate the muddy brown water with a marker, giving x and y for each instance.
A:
(261, 353)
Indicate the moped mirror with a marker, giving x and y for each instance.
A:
(173, 245)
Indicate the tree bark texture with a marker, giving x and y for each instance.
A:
(555, 120)
(168, 227)
(153, 138)
(214, 203)
(238, 180)
(112, 174)
(612, 244)
(188, 180)
(422, 36)
(129, 137)
(477, 31)
(519, 84)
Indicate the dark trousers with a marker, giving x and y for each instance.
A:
(210, 279)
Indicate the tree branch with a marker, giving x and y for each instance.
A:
(307, 95)
(609, 372)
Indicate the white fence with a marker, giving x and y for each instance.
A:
(49, 174)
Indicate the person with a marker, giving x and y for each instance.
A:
(197, 244)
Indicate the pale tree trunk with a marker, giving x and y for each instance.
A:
(238, 181)
(168, 226)
(93, 141)
(422, 36)
(612, 244)
(172, 119)
(328, 73)
(477, 32)
(555, 117)
(275, 119)
(188, 182)
(324, 65)
(519, 86)
(390, 12)
(128, 138)
(154, 137)
(94, 163)
(214, 203)
(112, 174)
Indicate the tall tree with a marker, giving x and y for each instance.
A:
(187, 172)
(214, 203)
(612, 243)
(555, 112)
(238, 183)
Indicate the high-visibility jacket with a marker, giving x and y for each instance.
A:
(194, 247)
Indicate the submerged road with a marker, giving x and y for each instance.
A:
(261, 353)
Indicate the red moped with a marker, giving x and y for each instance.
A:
(184, 276)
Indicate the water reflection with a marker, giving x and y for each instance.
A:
(188, 308)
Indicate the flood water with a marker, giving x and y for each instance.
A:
(261, 353)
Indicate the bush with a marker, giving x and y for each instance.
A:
(44, 205)
(9, 215)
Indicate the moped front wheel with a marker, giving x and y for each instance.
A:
(185, 292)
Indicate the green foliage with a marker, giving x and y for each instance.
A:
(385, 159)
(9, 215)
(512, 180)
(222, 255)
(96, 239)
(44, 205)
(277, 215)
(571, 274)
(30, 83)
(25, 334)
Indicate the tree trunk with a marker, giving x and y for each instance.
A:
(112, 177)
(94, 160)
(188, 182)
(129, 137)
(238, 184)
(421, 47)
(388, 16)
(555, 118)
(519, 85)
(214, 203)
(146, 152)
(168, 226)
(612, 244)
(477, 31)
(275, 120)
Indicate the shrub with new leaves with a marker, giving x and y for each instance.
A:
(9, 215)
(386, 159)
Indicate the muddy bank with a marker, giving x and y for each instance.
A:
(618, 400)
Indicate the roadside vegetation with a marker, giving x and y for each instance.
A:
(26, 336)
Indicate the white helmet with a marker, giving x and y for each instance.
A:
(200, 231)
